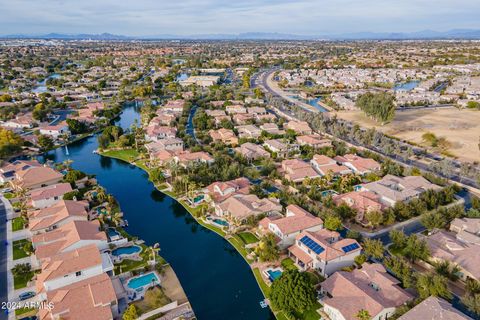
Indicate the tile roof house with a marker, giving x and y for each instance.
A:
(393, 189)
(287, 228)
(434, 308)
(271, 128)
(370, 288)
(300, 127)
(155, 132)
(361, 201)
(188, 158)
(358, 164)
(93, 299)
(70, 267)
(8, 171)
(55, 131)
(313, 140)
(324, 251)
(467, 229)
(252, 151)
(36, 177)
(226, 136)
(446, 246)
(60, 213)
(239, 207)
(235, 109)
(248, 131)
(280, 148)
(71, 236)
(297, 170)
(169, 144)
(324, 165)
(219, 191)
(49, 195)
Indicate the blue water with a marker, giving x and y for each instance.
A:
(311, 102)
(221, 222)
(274, 274)
(126, 250)
(42, 85)
(182, 76)
(142, 281)
(406, 86)
(112, 233)
(203, 261)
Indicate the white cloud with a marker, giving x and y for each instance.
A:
(149, 17)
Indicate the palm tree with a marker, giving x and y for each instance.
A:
(116, 218)
(154, 250)
(101, 194)
(363, 315)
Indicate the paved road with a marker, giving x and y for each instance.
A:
(260, 80)
(3, 259)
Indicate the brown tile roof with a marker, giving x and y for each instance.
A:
(88, 299)
(55, 190)
(434, 308)
(45, 218)
(37, 175)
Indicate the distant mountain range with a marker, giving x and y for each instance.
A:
(468, 34)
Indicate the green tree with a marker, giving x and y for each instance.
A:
(131, 313)
(267, 249)
(416, 249)
(398, 238)
(373, 248)
(40, 112)
(378, 106)
(292, 292)
(77, 127)
(374, 218)
(429, 284)
(10, 143)
(45, 142)
(363, 315)
(333, 222)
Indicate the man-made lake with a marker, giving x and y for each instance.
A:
(406, 86)
(216, 279)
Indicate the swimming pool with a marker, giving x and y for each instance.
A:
(112, 233)
(126, 251)
(274, 274)
(221, 222)
(143, 280)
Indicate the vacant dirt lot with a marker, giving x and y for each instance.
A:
(460, 127)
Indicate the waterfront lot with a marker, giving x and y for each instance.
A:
(460, 127)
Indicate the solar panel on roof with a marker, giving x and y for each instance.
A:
(315, 247)
(350, 247)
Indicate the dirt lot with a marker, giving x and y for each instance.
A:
(460, 127)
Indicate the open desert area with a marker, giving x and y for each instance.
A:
(460, 127)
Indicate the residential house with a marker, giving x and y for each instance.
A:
(300, 127)
(467, 229)
(297, 170)
(71, 236)
(271, 128)
(286, 228)
(252, 151)
(392, 189)
(324, 251)
(226, 136)
(358, 164)
(446, 246)
(8, 171)
(242, 118)
(325, 165)
(236, 109)
(93, 298)
(169, 144)
(188, 158)
(55, 131)
(248, 131)
(156, 133)
(49, 195)
(240, 207)
(59, 214)
(370, 288)
(313, 140)
(72, 266)
(220, 190)
(281, 149)
(434, 308)
(35, 177)
(362, 202)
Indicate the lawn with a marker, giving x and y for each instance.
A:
(25, 312)
(8, 195)
(247, 237)
(154, 298)
(18, 252)
(20, 281)
(263, 286)
(18, 223)
(239, 245)
(126, 155)
(310, 314)
(288, 264)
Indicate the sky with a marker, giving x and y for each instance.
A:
(193, 17)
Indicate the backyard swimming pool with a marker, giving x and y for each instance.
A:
(221, 222)
(274, 274)
(126, 251)
(112, 233)
(144, 280)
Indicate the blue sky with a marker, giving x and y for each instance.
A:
(185, 17)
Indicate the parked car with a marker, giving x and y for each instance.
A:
(26, 295)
